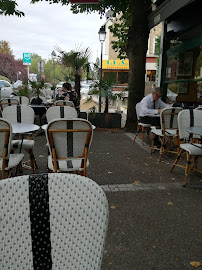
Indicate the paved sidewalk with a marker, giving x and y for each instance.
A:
(155, 223)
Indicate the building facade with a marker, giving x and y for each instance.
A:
(113, 66)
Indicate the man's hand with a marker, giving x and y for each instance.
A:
(159, 110)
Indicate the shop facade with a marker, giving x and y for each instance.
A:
(181, 46)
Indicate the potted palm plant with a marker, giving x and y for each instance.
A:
(105, 119)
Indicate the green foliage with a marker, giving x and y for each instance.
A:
(5, 79)
(8, 7)
(62, 73)
(78, 60)
(103, 88)
(23, 90)
(37, 86)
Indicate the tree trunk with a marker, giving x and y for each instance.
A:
(138, 35)
(78, 87)
(106, 105)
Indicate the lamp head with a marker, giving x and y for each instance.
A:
(102, 34)
(53, 54)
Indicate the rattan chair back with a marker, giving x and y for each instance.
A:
(64, 103)
(19, 114)
(188, 118)
(69, 140)
(168, 118)
(57, 112)
(7, 102)
(22, 100)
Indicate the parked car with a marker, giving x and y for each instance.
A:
(6, 88)
(85, 86)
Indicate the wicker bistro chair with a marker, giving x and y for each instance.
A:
(188, 144)
(64, 103)
(68, 141)
(57, 112)
(8, 161)
(22, 100)
(52, 221)
(5, 102)
(22, 114)
(141, 126)
(168, 133)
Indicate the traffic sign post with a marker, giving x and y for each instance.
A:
(40, 66)
(27, 61)
(26, 58)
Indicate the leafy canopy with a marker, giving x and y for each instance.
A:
(9, 7)
(118, 8)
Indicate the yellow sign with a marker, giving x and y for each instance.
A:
(115, 64)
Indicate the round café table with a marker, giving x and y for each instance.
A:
(22, 128)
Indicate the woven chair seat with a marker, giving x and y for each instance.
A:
(144, 125)
(168, 132)
(68, 165)
(194, 149)
(27, 144)
(14, 160)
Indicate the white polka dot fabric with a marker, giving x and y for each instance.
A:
(15, 243)
(78, 219)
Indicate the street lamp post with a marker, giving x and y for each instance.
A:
(18, 73)
(102, 35)
(53, 54)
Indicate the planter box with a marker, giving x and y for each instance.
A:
(105, 120)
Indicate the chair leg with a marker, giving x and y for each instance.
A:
(177, 159)
(161, 149)
(32, 159)
(3, 174)
(138, 130)
(187, 169)
(152, 145)
(20, 168)
(148, 131)
(143, 130)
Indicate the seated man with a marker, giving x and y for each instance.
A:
(152, 105)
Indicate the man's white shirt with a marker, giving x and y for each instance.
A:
(147, 106)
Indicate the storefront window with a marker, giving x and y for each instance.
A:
(184, 72)
(110, 76)
(122, 77)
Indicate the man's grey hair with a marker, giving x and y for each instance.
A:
(157, 89)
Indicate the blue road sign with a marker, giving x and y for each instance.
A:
(26, 58)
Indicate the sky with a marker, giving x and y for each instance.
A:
(47, 25)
